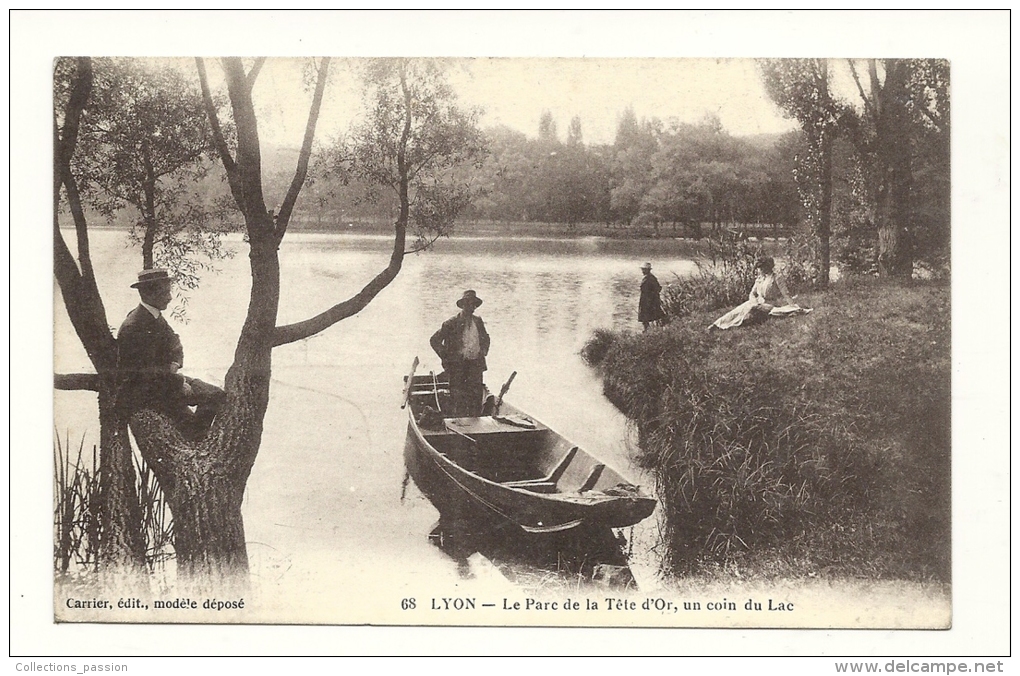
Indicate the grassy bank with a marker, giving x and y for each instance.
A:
(816, 445)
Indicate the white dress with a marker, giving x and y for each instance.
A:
(767, 291)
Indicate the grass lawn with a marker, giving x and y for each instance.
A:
(815, 445)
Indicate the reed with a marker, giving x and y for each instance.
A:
(77, 510)
(77, 521)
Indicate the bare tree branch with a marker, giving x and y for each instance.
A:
(876, 87)
(353, 305)
(76, 278)
(80, 225)
(80, 90)
(287, 208)
(214, 122)
(254, 72)
(868, 105)
(76, 381)
(64, 266)
(249, 196)
(68, 139)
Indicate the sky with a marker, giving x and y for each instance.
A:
(515, 91)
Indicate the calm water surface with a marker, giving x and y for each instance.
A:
(325, 489)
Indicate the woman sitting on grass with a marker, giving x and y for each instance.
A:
(768, 297)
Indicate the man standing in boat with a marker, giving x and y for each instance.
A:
(462, 344)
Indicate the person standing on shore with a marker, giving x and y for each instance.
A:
(462, 344)
(649, 305)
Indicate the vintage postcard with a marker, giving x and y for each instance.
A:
(649, 341)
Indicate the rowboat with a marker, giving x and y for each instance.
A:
(507, 467)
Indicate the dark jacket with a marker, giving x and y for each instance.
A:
(146, 346)
(649, 306)
(447, 341)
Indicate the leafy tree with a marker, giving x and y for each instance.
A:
(575, 137)
(502, 177)
(121, 549)
(800, 87)
(145, 145)
(928, 103)
(412, 144)
(547, 128)
(905, 114)
(634, 146)
(204, 480)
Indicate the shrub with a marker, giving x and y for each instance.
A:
(594, 351)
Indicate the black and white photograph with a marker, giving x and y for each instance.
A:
(423, 338)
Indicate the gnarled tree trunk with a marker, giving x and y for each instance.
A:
(122, 546)
(203, 483)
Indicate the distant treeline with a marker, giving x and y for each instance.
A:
(685, 176)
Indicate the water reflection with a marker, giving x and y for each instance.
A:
(580, 555)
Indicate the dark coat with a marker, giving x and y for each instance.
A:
(447, 341)
(146, 347)
(649, 306)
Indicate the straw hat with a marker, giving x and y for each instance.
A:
(149, 277)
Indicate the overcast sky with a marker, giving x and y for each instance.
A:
(514, 92)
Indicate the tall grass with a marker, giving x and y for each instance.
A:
(77, 521)
(77, 510)
(819, 442)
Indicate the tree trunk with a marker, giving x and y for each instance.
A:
(122, 547)
(149, 214)
(203, 483)
(823, 224)
(892, 213)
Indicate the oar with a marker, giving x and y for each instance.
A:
(403, 486)
(457, 431)
(408, 383)
(435, 392)
(502, 391)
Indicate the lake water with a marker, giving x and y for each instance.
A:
(323, 507)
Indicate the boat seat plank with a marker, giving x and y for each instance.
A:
(593, 478)
(562, 465)
(553, 478)
(532, 485)
(488, 425)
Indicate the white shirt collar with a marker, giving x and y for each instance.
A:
(152, 311)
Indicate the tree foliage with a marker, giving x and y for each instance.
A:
(874, 173)
(413, 142)
(801, 89)
(144, 148)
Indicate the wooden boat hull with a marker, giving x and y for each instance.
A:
(485, 470)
